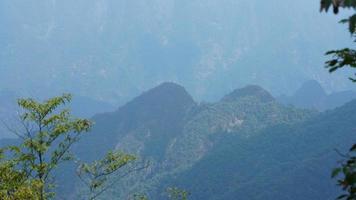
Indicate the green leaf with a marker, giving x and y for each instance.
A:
(353, 148)
(335, 172)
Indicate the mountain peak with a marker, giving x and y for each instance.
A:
(311, 95)
(167, 89)
(166, 95)
(311, 88)
(249, 91)
(169, 86)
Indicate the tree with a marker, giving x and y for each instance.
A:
(347, 181)
(95, 175)
(47, 136)
(326, 4)
(14, 183)
(344, 58)
(46, 140)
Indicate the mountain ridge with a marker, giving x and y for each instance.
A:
(173, 145)
(192, 145)
(311, 95)
(296, 159)
(247, 91)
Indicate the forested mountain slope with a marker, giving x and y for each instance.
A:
(165, 126)
(282, 162)
(246, 145)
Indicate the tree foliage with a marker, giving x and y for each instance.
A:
(46, 139)
(347, 175)
(336, 4)
(95, 175)
(341, 58)
(344, 58)
(48, 133)
(15, 185)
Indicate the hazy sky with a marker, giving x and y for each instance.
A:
(114, 49)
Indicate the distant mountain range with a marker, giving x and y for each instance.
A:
(311, 95)
(246, 145)
(113, 50)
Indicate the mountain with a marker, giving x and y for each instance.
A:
(251, 90)
(115, 49)
(143, 126)
(311, 95)
(145, 123)
(281, 162)
(246, 145)
(166, 127)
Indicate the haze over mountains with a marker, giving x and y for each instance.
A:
(227, 99)
(238, 146)
(311, 95)
(112, 50)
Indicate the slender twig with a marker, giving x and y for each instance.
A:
(116, 181)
